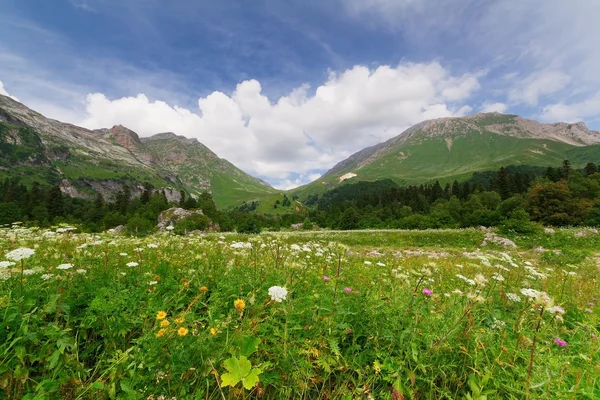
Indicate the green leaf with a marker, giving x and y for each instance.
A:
(248, 345)
(250, 380)
(239, 370)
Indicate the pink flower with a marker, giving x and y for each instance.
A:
(347, 290)
(560, 342)
(326, 278)
(591, 304)
(595, 299)
(587, 310)
(427, 292)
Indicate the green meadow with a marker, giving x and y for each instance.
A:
(303, 315)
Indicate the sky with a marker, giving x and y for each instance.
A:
(287, 89)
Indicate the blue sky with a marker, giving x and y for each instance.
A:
(285, 89)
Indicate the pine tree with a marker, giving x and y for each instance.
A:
(590, 169)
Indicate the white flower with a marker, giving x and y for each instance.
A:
(457, 291)
(46, 276)
(540, 298)
(28, 272)
(513, 297)
(498, 277)
(6, 264)
(295, 247)
(19, 254)
(123, 254)
(138, 249)
(132, 264)
(381, 264)
(4, 275)
(152, 245)
(81, 271)
(152, 283)
(556, 310)
(368, 263)
(464, 278)
(82, 246)
(498, 324)
(480, 280)
(65, 266)
(241, 245)
(170, 228)
(277, 293)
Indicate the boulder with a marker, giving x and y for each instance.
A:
(174, 214)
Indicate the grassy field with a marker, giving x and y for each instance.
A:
(314, 315)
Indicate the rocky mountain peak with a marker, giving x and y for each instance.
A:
(170, 136)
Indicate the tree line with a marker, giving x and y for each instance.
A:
(517, 198)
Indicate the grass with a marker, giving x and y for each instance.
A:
(368, 314)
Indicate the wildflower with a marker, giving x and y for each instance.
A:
(81, 271)
(45, 277)
(347, 290)
(19, 254)
(204, 289)
(239, 305)
(587, 310)
(28, 272)
(555, 310)
(182, 331)
(132, 264)
(368, 263)
(457, 291)
(513, 297)
(427, 292)
(591, 304)
(278, 293)
(164, 323)
(498, 324)
(213, 331)
(152, 245)
(6, 264)
(65, 266)
(498, 277)
(560, 342)
(480, 280)
(161, 315)
(160, 333)
(170, 228)
(381, 264)
(326, 278)
(179, 320)
(123, 254)
(152, 283)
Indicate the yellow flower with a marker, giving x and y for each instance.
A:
(213, 331)
(160, 333)
(182, 331)
(161, 315)
(239, 305)
(179, 320)
(204, 289)
(164, 323)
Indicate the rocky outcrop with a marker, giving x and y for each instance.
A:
(174, 214)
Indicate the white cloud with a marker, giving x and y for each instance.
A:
(487, 107)
(303, 131)
(538, 84)
(5, 93)
(571, 112)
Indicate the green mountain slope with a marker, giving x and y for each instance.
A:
(455, 148)
(85, 162)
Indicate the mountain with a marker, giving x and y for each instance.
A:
(454, 148)
(85, 162)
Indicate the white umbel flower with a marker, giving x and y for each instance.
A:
(65, 266)
(19, 254)
(278, 293)
(132, 264)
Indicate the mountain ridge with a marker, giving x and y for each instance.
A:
(88, 159)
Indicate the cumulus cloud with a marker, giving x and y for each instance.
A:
(304, 131)
(571, 112)
(487, 107)
(5, 93)
(541, 83)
